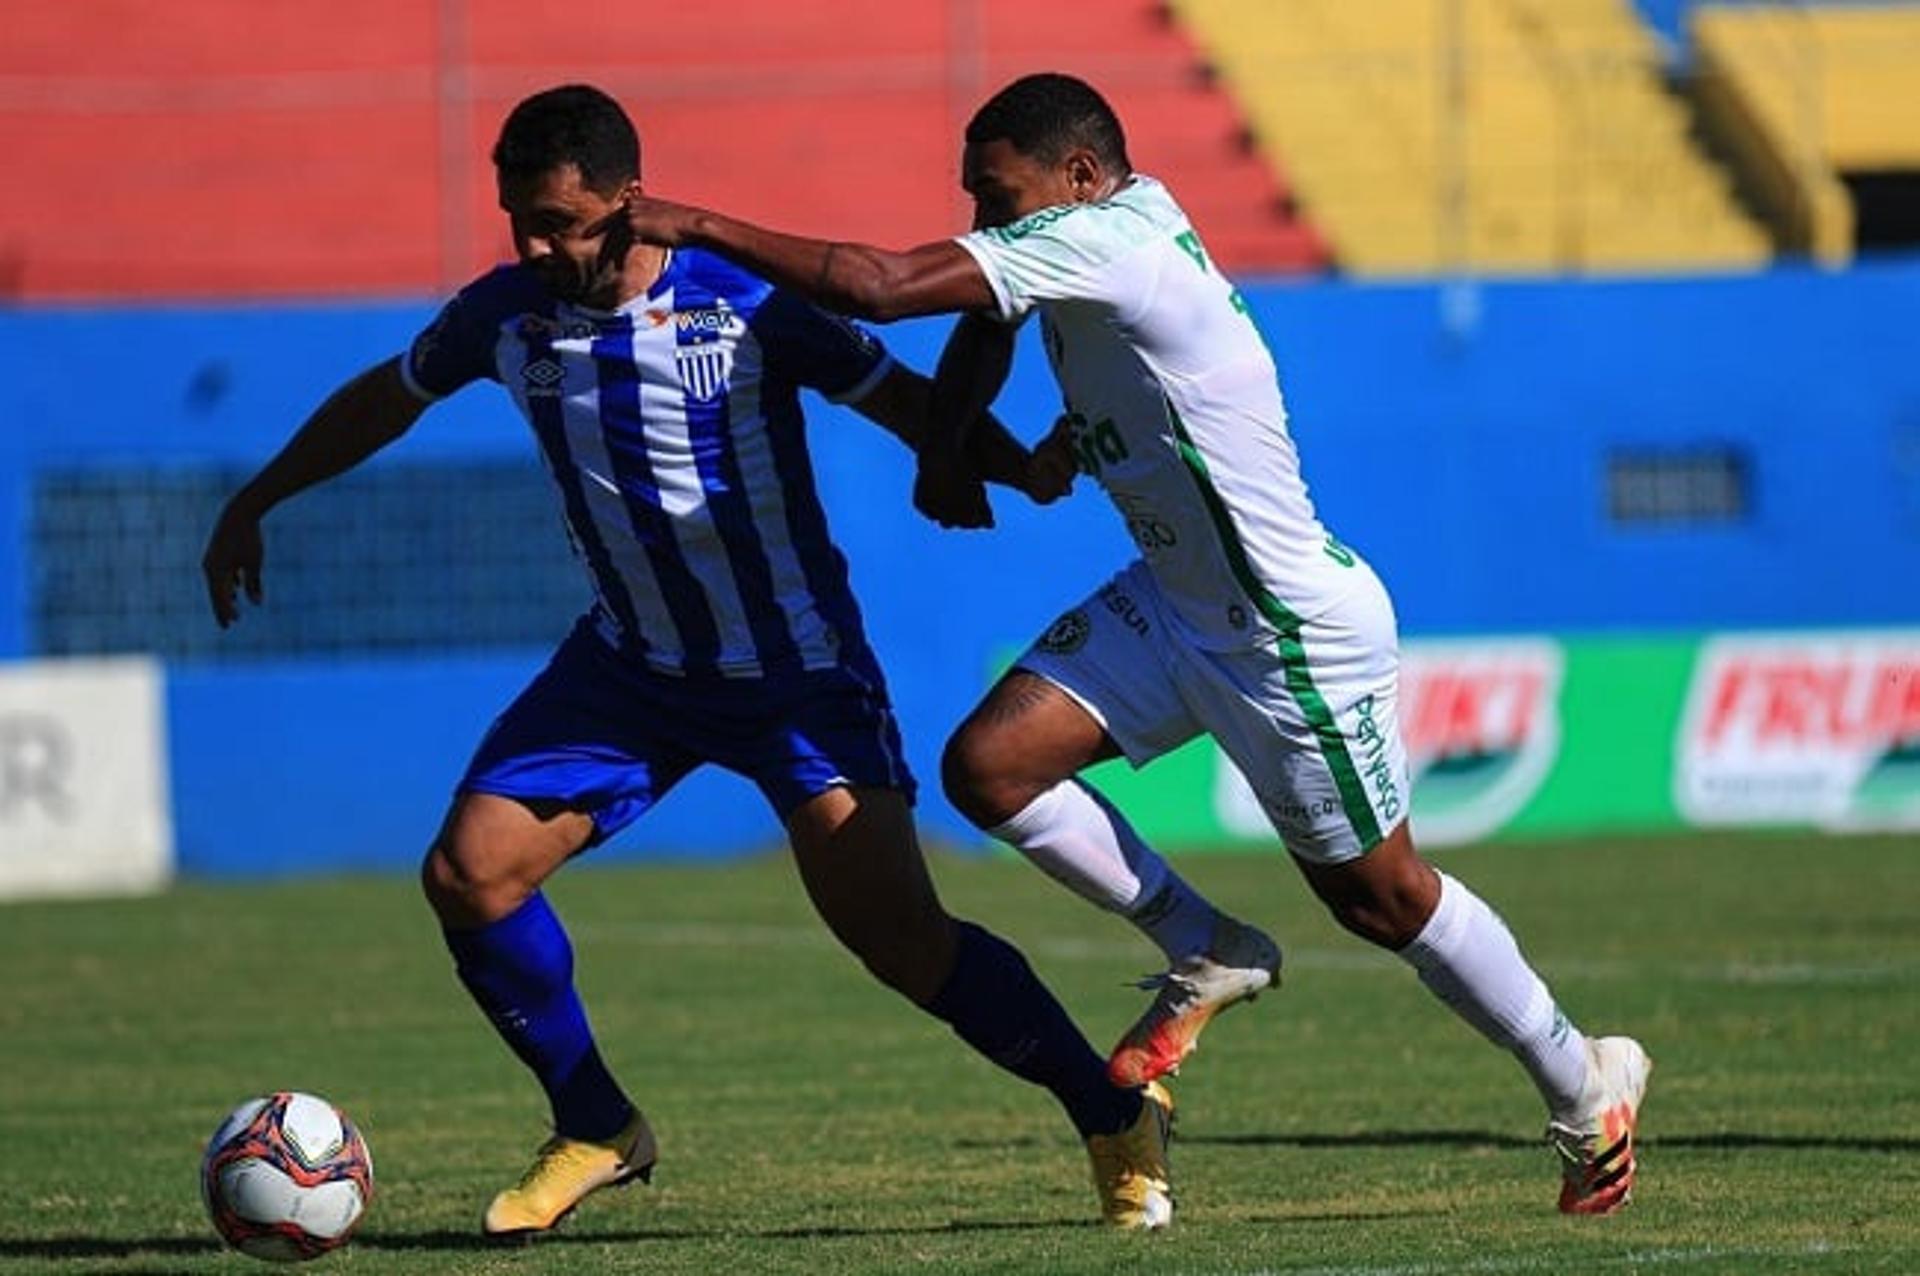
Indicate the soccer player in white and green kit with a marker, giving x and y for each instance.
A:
(1243, 617)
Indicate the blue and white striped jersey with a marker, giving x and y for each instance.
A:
(672, 428)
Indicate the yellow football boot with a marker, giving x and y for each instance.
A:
(1130, 1168)
(566, 1172)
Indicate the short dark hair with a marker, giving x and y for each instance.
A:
(574, 124)
(1047, 115)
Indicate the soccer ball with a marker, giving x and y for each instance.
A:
(286, 1177)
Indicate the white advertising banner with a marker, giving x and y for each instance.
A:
(1803, 729)
(83, 780)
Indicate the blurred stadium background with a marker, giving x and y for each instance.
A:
(1597, 321)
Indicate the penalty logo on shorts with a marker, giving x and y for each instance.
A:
(1065, 635)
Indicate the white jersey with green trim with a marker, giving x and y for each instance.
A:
(1175, 406)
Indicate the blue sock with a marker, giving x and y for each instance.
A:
(520, 970)
(997, 1005)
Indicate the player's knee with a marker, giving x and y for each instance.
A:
(1391, 914)
(978, 782)
(1374, 921)
(441, 880)
(466, 884)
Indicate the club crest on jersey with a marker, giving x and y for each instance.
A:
(704, 368)
(1066, 635)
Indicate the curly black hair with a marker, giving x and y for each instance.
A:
(1049, 114)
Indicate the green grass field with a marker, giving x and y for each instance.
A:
(811, 1123)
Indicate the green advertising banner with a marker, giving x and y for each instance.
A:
(1543, 736)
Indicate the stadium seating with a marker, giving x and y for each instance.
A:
(1495, 135)
(1802, 94)
(239, 147)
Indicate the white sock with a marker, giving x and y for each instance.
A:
(1466, 955)
(1078, 839)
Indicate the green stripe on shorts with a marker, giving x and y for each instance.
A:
(1293, 653)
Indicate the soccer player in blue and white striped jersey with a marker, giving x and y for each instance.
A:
(663, 390)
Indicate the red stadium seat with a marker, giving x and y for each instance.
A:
(239, 148)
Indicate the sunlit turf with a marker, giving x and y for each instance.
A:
(811, 1122)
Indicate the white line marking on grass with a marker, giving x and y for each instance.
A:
(1126, 952)
(1808, 972)
(1665, 1257)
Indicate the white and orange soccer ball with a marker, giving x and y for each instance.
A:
(286, 1177)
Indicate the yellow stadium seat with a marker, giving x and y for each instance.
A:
(1500, 135)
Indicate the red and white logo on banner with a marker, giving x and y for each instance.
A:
(1481, 719)
(1803, 729)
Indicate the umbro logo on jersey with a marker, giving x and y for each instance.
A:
(542, 378)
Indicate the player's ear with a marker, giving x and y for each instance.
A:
(1084, 175)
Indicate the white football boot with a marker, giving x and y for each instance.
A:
(1239, 964)
(1596, 1147)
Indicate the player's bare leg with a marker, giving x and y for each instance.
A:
(1466, 955)
(1010, 768)
(861, 865)
(863, 869)
(482, 877)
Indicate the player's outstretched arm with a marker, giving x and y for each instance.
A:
(357, 420)
(854, 279)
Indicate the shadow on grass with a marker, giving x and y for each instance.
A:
(97, 1247)
(1728, 1139)
(400, 1241)
(80, 1247)
(107, 1247)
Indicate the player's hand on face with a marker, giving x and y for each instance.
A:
(616, 239)
(657, 221)
(232, 563)
(947, 491)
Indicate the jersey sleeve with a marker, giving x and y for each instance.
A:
(822, 351)
(1056, 254)
(457, 348)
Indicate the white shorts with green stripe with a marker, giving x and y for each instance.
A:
(1311, 718)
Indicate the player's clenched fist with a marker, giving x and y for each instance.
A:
(1050, 470)
(947, 491)
(658, 221)
(232, 562)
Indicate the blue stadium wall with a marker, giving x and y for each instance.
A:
(1459, 437)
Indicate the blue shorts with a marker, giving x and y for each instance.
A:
(608, 736)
